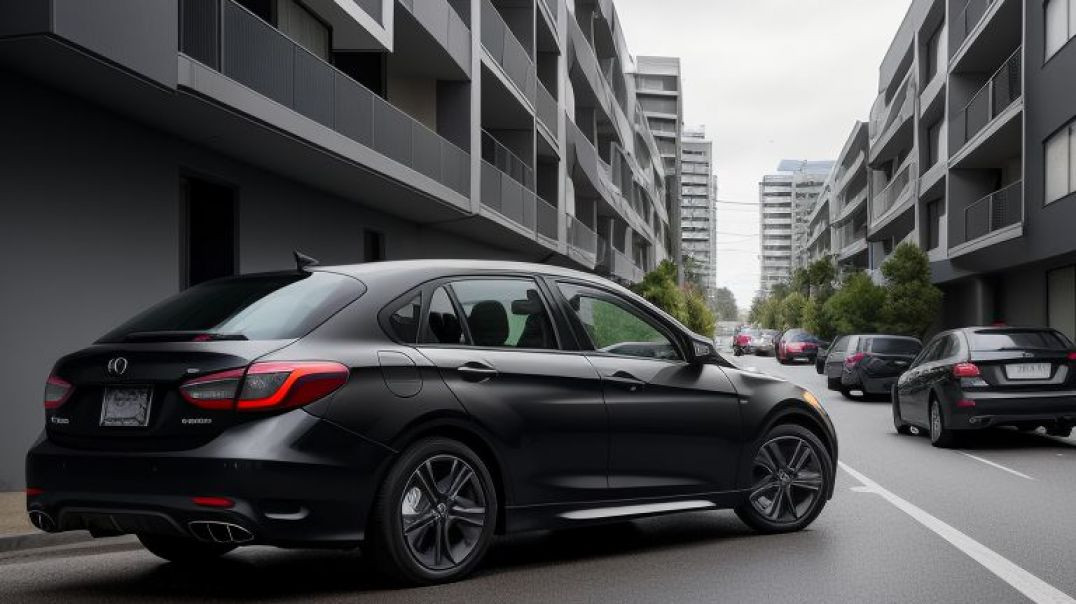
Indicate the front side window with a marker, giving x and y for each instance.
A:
(615, 328)
(505, 313)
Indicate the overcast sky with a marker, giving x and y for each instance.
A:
(770, 80)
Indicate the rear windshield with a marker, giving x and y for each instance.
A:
(257, 307)
(749, 332)
(800, 336)
(894, 346)
(1037, 339)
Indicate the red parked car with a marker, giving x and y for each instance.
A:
(741, 342)
(796, 345)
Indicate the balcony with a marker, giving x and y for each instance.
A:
(227, 38)
(503, 46)
(445, 25)
(888, 117)
(1000, 92)
(547, 220)
(999, 212)
(969, 17)
(582, 242)
(372, 8)
(552, 8)
(547, 110)
(894, 194)
(508, 184)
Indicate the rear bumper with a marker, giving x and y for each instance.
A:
(294, 480)
(873, 385)
(1009, 409)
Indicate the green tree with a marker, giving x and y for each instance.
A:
(821, 274)
(857, 306)
(661, 289)
(769, 316)
(912, 302)
(725, 305)
(801, 281)
(755, 314)
(698, 315)
(790, 313)
(817, 320)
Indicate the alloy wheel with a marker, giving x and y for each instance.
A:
(788, 479)
(443, 512)
(935, 422)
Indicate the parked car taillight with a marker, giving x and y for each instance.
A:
(966, 370)
(1072, 356)
(854, 359)
(266, 386)
(57, 391)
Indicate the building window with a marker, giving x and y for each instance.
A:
(1060, 24)
(1060, 151)
(209, 231)
(1061, 300)
(934, 143)
(373, 246)
(935, 211)
(935, 57)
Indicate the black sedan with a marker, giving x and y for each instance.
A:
(414, 409)
(975, 378)
(868, 363)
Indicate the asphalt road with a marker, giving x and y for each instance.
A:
(994, 522)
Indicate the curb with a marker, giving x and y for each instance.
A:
(25, 541)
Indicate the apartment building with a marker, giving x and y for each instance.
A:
(658, 86)
(787, 202)
(150, 146)
(972, 153)
(698, 208)
(837, 226)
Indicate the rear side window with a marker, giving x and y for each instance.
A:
(404, 322)
(508, 313)
(894, 346)
(256, 307)
(1019, 339)
(444, 325)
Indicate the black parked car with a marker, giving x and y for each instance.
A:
(868, 363)
(415, 408)
(975, 378)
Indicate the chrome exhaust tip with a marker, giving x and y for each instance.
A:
(42, 521)
(211, 531)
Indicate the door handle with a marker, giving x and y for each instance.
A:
(477, 372)
(626, 379)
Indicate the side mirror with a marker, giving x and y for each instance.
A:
(703, 353)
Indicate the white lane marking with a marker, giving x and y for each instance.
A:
(1034, 588)
(996, 465)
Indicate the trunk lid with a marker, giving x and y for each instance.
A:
(1020, 369)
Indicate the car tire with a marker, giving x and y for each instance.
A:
(183, 550)
(833, 383)
(449, 495)
(940, 436)
(807, 487)
(898, 421)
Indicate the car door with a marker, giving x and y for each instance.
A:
(496, 344)
(674, 427)
(837, 353)
(918, 382)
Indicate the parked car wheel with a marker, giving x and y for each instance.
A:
(435, 514)
(898, 422)
(940, 436)
(183, 550)
(791, 477)
(833, 383)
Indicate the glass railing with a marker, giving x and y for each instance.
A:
(506, 161)
(507, 51)
(507, 196)
(228, 38)
(546, 108)
(969, 17)
(1002, 90)
(898, 109)
(445, 25)
(581, 237)
(893, 192)
(994, 212)
(546, 221)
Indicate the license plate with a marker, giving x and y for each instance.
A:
(1028, 371)
(126, 406)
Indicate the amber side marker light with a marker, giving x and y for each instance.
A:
(811, 399)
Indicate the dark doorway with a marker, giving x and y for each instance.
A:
(374, 244)
(209, 237)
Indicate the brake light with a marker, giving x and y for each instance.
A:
(1072, 356)
(854, 359)
(795, 347)
(34, 492)
(272, 385)
(965, 403)
(966, 370)
(57, 391)
(213, 502)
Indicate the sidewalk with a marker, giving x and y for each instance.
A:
(13, 519)
(16, 532)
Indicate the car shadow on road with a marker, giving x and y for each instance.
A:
(270, 574)
(1001, 439)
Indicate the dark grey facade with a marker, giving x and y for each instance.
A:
(151, 145)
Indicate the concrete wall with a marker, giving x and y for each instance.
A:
(90, 235)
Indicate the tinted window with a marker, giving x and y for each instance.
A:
(258, 307)
(1014, 339)
(506, 313)
(616, 329)
(404, 322)
(443, 325)
(798, 335)
(894, 346)
(840, 345)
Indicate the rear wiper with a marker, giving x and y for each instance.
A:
(182, 336)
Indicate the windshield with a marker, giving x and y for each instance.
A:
(1019, 339)
(258, 307)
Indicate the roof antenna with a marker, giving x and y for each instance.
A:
(303, 262)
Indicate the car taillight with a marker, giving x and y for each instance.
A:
(57, 391)
(1072, 356)
(795, 347)
(854, 359)
(266, 386)
(966, 370)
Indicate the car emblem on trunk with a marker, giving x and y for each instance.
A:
(117, 366)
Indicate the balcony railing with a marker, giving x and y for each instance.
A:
(893, 192)
(969, 17)
(506, 161)
(546, 108)
(444, 24)
(506, 49)
(228, 38)
(553, 6)
(1002, 90)
(582, 238)
(994, 212)
(547, 220)
(848, 235)
(898, 108)
(508, 197)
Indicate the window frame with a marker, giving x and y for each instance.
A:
(1070, 136)
(583, 337)
(1070, 6)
